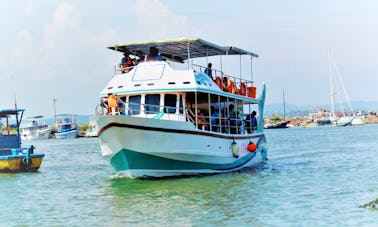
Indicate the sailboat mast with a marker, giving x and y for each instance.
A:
(331, 83)
(284, 104)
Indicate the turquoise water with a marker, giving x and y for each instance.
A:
(314, 176)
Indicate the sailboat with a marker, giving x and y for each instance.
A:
(281, 123)
(338, 91)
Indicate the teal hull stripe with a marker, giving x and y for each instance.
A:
(128, 160)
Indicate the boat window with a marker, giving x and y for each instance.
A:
(134, 105)
(186, 82)
(121, 86)
(170, 103)
(152, 103)
(171, 83)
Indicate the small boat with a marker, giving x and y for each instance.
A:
(282, 123)
(276, 125)
(172, 121)
(66, 127)
(14, 158)
(92, 130)
(34, 128)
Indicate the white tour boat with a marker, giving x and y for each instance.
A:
(66, 127)
(172, 121)
(35, 128)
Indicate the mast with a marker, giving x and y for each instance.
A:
(331, 84)
(284, 105)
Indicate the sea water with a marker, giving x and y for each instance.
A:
(314, 176)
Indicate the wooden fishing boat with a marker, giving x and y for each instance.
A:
(14, 158)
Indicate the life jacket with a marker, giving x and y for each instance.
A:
(243, 89)
(218, 81)
(112, 101)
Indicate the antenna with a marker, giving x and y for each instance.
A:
(14, 93)
(54, 100)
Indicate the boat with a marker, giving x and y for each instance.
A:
(342, 117)
(34, 128)
(173, 121)
(13, 157)
(337, 90)
(277, 122)
(276, 125)
(66, 127)
(92, 130)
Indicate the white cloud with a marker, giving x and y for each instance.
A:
(156, 19)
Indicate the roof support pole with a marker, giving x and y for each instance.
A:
(251, 71)
(240, 66)
(189, 60)
(220, 56)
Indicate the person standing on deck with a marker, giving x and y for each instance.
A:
(209, 71)
(251, 122)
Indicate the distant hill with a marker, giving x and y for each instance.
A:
(298, 110)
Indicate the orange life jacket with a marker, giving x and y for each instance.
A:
(112, 101)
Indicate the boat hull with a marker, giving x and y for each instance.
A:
(142, 147)
(29, 135)
(14, 163)
(67, 134)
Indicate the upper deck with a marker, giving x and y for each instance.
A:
(150, 76)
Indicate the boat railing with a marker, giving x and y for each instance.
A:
(228, 83)
(119, 69)
(220, 124)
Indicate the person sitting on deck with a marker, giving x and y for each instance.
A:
(202, 123)
(154, 55)
(209, 71)
(126, 62)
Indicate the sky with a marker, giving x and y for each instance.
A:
(57, 49)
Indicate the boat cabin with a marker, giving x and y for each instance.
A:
(10, 121)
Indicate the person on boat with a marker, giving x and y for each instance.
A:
(202, 123)
(214, 119)
(209, 71)
(251, 122)
(112, 104)
(126, 62)
(232, 119)
(154, 54)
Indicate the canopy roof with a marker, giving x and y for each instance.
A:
(177, 49)
(6, 113)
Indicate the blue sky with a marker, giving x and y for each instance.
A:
(58, 48)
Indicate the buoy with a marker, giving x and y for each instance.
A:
(235, 149)
(251, 147)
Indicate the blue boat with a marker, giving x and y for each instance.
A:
(14, 158)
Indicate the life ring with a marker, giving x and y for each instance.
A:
(243, 89)
(218, 81)
(25, 164)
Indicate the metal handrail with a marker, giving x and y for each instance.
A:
(225, 124)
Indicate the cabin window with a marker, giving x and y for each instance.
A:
(152, 103)
(134, 105)
(170, 103)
